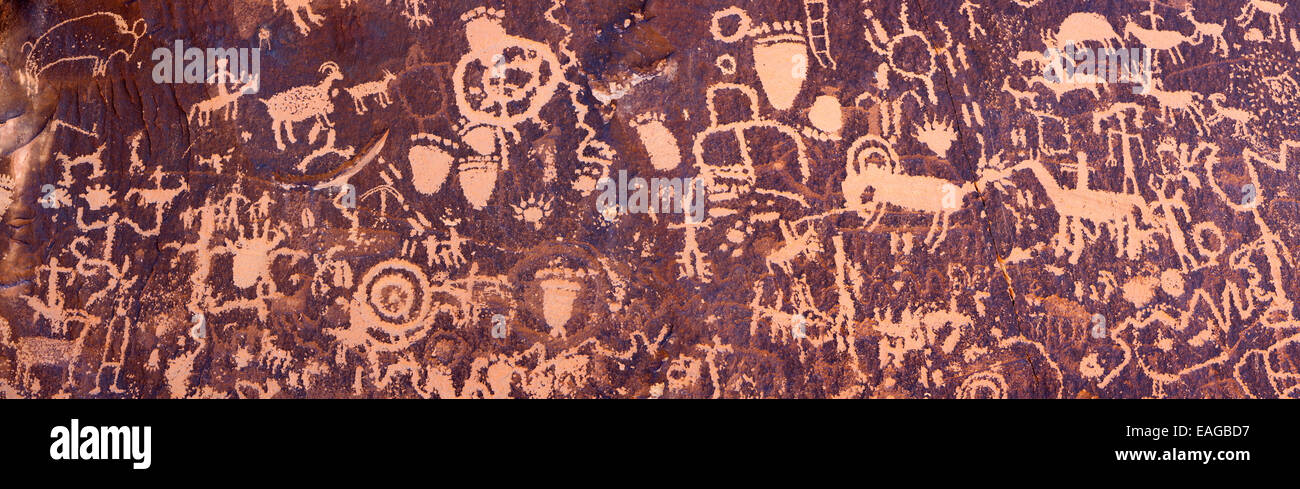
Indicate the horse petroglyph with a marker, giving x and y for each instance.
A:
(787, 198)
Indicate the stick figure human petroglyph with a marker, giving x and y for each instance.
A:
(225, 99)
(416, 13)
(298, 9)
(1127, 128)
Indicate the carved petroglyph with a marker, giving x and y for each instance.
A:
(225, 100)
(302, 103)
(378, 89)
(909, 42)
(1158, 40)
(659, 141)
(1206, 30)
(816, 13)
(873, 164)
(896, 201)
(1273, 11)
(97, 37)
(300, 10)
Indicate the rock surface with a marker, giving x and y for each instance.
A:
(411, 198)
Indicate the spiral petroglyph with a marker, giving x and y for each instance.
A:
(712, 199)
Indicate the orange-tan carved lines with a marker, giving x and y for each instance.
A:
(158, 197)
(93, 133)
(937, 134)
(1284, 151)
(378, 89)
(1058, 87)
(1206, 29)
(447, 252)
(1127, 128)
(886, 115)
(1185, 101)
(415, 12)
(1170, 204)
(872, 163)
(1081, 27)
(302, 103)
(1239, 118)
(1060, 386)
(502, 81)
(483, 84)
(533, 209)
(1080, 206)
(659, 142)
(716, 174)
(326, 148)
(254, 250)
(95, 160)
(793, 245)
(264, 38)
(97, 37)
(430, 163)
(968, 9)
(331, 273)
(216, 161)
(1168, 348)
(887, 46)
(1158, 40)
(815, 16)
(298, 9)
(38, 351)
(1271, 9)
(52, 306)
(225, 100)
(781, 60)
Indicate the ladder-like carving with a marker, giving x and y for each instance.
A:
(815, 12)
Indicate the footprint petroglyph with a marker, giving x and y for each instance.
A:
(717, 199)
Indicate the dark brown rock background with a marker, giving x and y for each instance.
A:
(1159, 279)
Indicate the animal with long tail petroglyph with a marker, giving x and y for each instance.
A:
(97, 37)
(1080, 206)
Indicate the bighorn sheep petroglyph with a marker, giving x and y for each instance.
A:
(301, 103)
